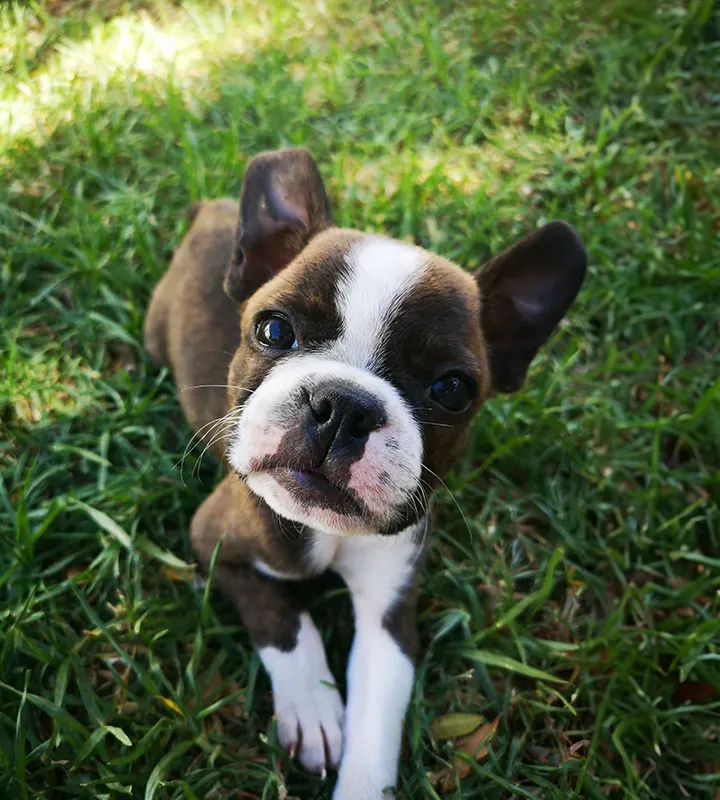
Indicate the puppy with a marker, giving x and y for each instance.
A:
(336, 373)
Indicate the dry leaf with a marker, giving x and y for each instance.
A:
(477, 746)
(177, 575)
(577, 746)
(451, 726)
(73, 572)
(170, 704)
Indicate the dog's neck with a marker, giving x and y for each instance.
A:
(282, 548)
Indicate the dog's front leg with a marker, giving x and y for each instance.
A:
(308, 707)
(380, 574)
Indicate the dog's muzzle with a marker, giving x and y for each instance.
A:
(329, 445)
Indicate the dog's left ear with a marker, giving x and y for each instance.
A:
(524, 292)
(282, 206)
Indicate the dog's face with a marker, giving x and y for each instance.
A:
(366, 362)
(363, 359)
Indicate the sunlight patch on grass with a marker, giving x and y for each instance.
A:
(181, 45)
(40, 388)
(514, 158)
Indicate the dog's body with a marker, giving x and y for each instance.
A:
(352, 365)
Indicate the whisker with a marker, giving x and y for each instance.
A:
(216, 438)
(220, 434)
(189, 447)
(200, 436)
(423, 539)
(218, 386)
(462, 513)
(199, 433)
(230, 414)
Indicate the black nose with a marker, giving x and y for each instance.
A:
(343, 416)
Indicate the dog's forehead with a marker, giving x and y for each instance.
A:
(364, 292)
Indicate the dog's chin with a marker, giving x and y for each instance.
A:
(308, 498)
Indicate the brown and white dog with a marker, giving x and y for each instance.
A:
(345, 369)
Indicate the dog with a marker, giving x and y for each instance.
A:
(341, 371)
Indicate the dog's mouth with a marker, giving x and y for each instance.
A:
(312, 489)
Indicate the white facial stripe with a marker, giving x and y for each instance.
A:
(381, 272)
(309, 710)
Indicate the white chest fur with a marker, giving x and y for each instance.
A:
(376, 568)
(389, 557)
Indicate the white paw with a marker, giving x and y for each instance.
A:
(308, 707)
(358, 784)
(309, 719)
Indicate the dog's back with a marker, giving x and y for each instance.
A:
(191, 314)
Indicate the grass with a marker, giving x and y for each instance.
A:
(579, 537)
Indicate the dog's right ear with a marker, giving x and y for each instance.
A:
(282, 206)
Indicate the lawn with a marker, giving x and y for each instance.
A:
(572, 594)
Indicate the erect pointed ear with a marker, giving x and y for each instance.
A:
(524, 292)
(282, 206)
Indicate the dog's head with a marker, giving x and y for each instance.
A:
(363, 359)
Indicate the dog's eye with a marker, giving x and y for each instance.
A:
(454, 391)
(274, 330)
